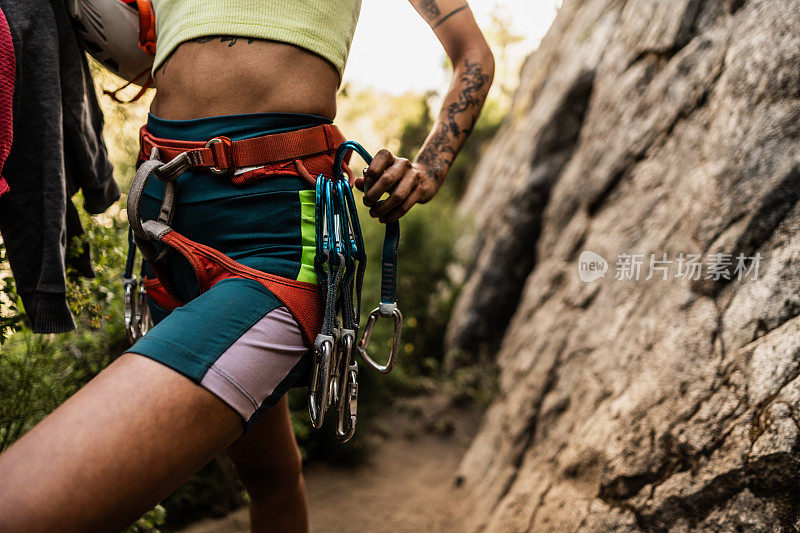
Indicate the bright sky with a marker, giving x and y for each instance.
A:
(394, 50)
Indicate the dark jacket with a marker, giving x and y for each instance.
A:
(57, 150)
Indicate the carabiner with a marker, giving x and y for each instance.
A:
(348, 410)
(340, 262)
(343, 357)
(130, 312)
(319, 390)
(142, 312)
(384, 310)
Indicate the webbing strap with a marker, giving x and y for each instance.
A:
(147, 27)
(222, 153)
(391, 239)
(145, 78)
(391, 242)
(131, 258)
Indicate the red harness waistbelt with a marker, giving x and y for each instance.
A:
(313, 147)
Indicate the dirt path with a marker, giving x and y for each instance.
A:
(406, 486)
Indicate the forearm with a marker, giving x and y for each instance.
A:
(409, 183)
(472, 78)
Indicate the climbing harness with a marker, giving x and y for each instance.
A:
(328, 313)
(297, 153)
(340, 263)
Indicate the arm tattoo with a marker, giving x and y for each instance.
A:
(453, 12)
(430, 10)
(442, 147)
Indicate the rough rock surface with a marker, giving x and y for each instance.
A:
(642, 127)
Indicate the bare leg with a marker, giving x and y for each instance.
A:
(268, 463)
(112, 451)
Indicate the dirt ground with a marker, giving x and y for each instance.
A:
(407, 485)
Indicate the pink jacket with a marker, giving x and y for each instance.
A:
(7, 72)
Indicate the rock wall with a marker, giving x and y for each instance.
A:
(642, 127)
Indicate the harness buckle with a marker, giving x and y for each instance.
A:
(227, 145)
(385, 310)
(169, 172)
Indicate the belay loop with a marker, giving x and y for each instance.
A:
(340, 262)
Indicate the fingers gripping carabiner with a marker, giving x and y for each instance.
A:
(388, 305)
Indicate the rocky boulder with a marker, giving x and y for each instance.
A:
(664, 135)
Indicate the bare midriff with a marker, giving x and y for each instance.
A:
(213, 78)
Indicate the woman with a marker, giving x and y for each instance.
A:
(238, 69)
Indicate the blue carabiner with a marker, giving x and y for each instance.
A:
(359, 252)
(388, 302)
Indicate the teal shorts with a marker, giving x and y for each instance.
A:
(237, 339)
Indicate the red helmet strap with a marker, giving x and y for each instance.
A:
(147, 27)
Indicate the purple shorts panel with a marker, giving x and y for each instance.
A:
(250, 371)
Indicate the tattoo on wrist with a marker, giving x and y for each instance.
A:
(443, 145)
(437, 155)
(453, 12)
(430, 10)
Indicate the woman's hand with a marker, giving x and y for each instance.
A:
(416, 182)
(407, 184)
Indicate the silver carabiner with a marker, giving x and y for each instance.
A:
(142, 312)
(319, 388)
(382, 311)
(343, 355)
(348, 409)
(130, 302)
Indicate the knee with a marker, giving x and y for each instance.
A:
(276, 472)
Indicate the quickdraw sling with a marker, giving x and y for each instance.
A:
(340, 263)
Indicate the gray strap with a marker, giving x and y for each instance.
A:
(134, 206)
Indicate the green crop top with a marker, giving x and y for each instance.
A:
(324, 27)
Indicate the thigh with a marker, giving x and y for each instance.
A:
(113, 450)
(236, 340)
